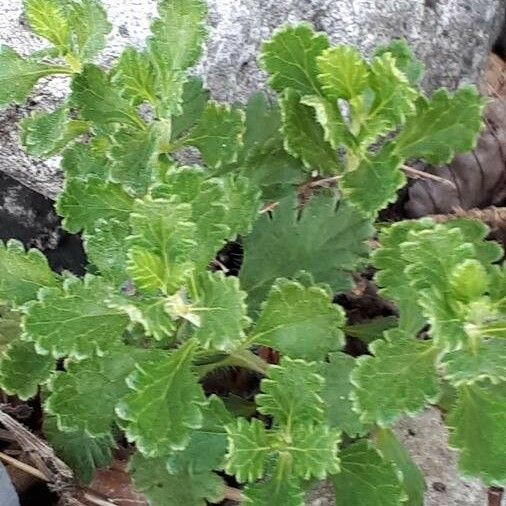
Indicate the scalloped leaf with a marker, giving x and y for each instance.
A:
(298, 321)
(281, 492)
(164, 404)
(83, 396)
(46, 134)
(162, 245)
(83, 202)
(83, 160)
(289, 57)
(18, 76)
(366, 478)
(336, 394)
(175, 45)
(218, 134)
(99, 102)
(342, 72)
(23, 273)
(22, 369)
(194, 101)
(443, 126)
(304, 137)
(74, 321)
(405, 60)
(134, 75)
(400, 378)
(221, 311)
(477, 426)
(380, 171)
(83, 453)
(282, 396)
(150, 476)
(47, 18)
(327, 239)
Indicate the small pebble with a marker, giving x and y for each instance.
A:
(439, 487)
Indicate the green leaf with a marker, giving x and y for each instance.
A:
(162, 244)
(45, 134)
(371, 330)
(175, 45)
(134, 75)
(89, 25)
(336, 394)
(374, 183)
(84, 395)
(278, 492)
(150, 476)
(301, 322)
(467, 366)
(405, 60)
(23, 273)
(290, 58)
(133, 159)
(335, 129)
(477, 430)
(83, 453)
(342, 72)
(22, 369)
(282, 396)
(221, 311)
(304, 137)
(18, 76)
(443, 126)
(412, 480)
(164, 404)
(74, 321)
(47, 19)
(10, 325)
(83, 160)
(327, 239)
(400, 378)
(248, 448)
(99, 102)
(207, 446)
(194, 99)
(83, 202)
(366, 478)
(105, 248)
(393, 99)
(469, 280)
(218, 134)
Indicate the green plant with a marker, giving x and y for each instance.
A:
(153, 320)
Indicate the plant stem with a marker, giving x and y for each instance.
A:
(239, 357)
(494, 496)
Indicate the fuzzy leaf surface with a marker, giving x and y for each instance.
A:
(221, 310)
(18, 76)
(477, 426)
(45, 134)
(278, 492)
(289, 57)
(299, 321)
(22, 369)
(218, 134)
(162, 244)
(366, 478)
(84, 395)
(405, 60)
(327, 239)
(83, 202)
(74, 321)
(194, 101)
(304, 137)
(150, 476)
(336, 394)
(164, 404)
(82, 160)
(342, 72)
(443, 126)
(23, 273)
(82, 452)
(47, 18)
(399, 379)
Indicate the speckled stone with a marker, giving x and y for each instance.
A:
(452, 37)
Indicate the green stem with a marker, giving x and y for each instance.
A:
(237, 358)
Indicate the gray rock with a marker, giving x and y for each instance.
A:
(8, 495)
(452, 37)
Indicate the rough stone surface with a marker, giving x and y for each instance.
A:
(426, 438)
(453, 38)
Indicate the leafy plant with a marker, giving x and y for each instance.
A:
(153, 319)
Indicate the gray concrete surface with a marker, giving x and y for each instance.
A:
(452, 37)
